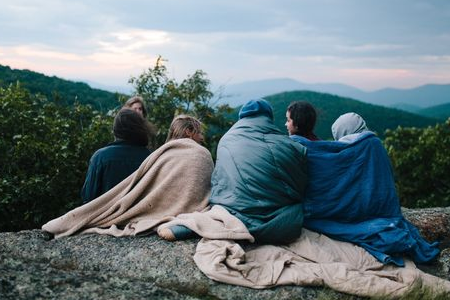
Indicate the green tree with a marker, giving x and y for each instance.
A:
(44, 153)
(421, 164)
(165, 98)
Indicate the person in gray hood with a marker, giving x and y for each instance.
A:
(348, 126)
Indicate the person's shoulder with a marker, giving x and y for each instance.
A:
(101, 152)
(111, 151)
(186, 144)
(362, 137)
(284, 142)
(299, 139)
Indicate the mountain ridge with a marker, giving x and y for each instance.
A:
(421, 97)
(59, 90)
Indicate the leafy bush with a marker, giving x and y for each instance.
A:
(165, 98)
(44, 153)
(421, 164)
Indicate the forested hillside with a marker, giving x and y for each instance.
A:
(59, 90)
(45, 147)
(439, 111)
(330, 107)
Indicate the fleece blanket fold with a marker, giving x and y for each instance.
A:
(351, 197)
(311, 260)
(174, 179)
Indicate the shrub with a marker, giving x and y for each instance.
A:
(421, 164)
(44, 154)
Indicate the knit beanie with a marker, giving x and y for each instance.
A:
(256, 107)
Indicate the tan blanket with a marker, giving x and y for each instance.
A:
(172, 180)
(311, 260)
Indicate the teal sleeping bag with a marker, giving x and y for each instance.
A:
(260, 176)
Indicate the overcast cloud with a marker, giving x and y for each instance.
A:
(364, 43)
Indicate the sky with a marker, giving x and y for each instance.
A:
(368, 44)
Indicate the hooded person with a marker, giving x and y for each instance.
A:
(348, 126)
(351, 194)
(259, 177)
(111, 164)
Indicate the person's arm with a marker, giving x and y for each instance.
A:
(92, 185)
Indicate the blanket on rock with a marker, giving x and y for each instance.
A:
(311, 260)
(174, 179)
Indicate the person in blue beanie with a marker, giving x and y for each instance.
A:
(259, 177)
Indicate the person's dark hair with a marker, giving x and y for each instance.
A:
(303, 116)
(136, 99)
(182, 123)
(132, 127)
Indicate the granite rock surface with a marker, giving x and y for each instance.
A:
(35, 266)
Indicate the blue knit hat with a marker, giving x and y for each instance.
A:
(256, 107)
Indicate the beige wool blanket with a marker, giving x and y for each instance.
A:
(174, 179)
(312, 260)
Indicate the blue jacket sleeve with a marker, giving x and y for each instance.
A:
(92, 185)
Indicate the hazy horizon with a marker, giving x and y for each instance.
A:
(369, 45)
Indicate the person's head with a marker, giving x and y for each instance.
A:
(348, 123)
(184, 126)
(301, 118)
(136, 103)
(130, 126)
(256, 107)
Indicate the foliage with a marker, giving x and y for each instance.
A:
(330, 107)
(58, 90)
(421, 164)
(45, 144)
(165, 98)
(44, 153)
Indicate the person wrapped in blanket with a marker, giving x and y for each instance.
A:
(351, 194)
(255, 179)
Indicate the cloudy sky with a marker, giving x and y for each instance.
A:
(369, 44)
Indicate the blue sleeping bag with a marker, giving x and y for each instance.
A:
(351, 197)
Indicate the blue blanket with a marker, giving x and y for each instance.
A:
(351, 197)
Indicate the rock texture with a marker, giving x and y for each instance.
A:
(34, 266)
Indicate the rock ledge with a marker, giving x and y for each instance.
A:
(33, 266)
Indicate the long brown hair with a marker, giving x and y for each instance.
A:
(181, 125)
(136, 99)
(304, 117)
(131, 126)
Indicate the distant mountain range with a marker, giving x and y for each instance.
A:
(329, 106)
(412, 100)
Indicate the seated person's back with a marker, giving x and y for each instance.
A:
(119, 159)
(260, 176)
